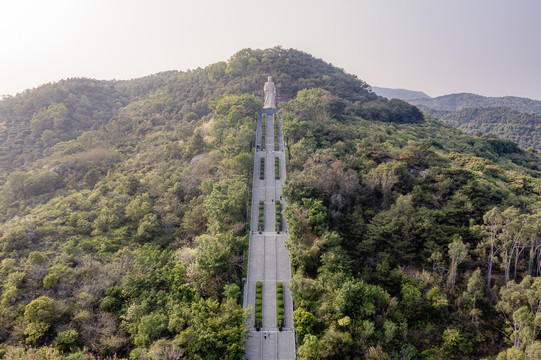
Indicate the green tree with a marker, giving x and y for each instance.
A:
(475, 290)
(232, 291)
(139, 207)
(65, 339)
(218, 260)
(521, 305)
(17, 184)
(513, 239)
(215, 331)
(42, 309)
(494, 221)
(54, 116)
(225, 205)
(40, 313)
(458, 252)
(151, 327)
(149, 226)
(303, 321)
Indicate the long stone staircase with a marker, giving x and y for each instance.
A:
(268, 258)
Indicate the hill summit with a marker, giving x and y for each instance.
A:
(34, 122)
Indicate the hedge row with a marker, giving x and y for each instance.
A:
(261, 222)
(278, 220)
(276, 168)
(275, 134)
(258, 316)
(262, 169)
(279, 304)
(263, 130)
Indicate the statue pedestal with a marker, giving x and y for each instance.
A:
(269, 111)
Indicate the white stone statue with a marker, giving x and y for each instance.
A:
(270, 95)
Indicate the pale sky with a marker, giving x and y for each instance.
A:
(488, 47)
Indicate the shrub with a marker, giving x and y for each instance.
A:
(276, 132)
(110, 304)
(258, 303)
(41, 310)
(50, 280)
(65, 339)
(261, 219)
(262, 169)
(278, 208)
(37, 257)
(263, 131)
(279, 303)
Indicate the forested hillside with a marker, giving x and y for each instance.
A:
(513, 118)
(410, 241)
(123, 220)
(123, 205)
(461, 101)
(522, 128)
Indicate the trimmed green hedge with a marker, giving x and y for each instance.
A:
(276, 134)
(276, 168)
(261, 219)
(262, 169)
(279, 304)
(258, 316)
(263, 130)
(278, 218)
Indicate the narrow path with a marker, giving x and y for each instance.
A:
(268, 258)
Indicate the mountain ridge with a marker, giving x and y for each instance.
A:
(522, 128)
(459, 101)
(401, 94)
(509, 117)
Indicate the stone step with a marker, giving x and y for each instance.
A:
(268, 259)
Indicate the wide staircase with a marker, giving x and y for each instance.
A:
(268, 258)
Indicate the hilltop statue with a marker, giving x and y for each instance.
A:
(270, 95)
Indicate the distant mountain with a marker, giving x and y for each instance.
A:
(522, 128)
(401, 94)
(461, 101)
(510, 117)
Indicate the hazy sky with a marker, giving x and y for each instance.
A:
(489, 47)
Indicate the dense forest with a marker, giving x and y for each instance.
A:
(461, 101)
(123, 220)
(410, 241)
(520, 127)
(512, 118)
